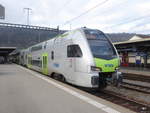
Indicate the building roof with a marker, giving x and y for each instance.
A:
(132, 41)
(143, 36)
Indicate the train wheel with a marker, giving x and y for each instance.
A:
(63, 78)
(59, 77)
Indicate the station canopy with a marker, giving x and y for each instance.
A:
(5, 51)
(140, 45)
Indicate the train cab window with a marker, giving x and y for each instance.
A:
(52, 55)
(74, 51)
(92, 34)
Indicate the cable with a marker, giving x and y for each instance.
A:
(85, 12)
(141, 24)
(128, 21)
(65, 4)
(61, 8)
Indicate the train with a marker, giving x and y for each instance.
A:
(83, 57)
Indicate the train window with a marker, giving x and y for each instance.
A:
(52, 55)
(94, 34)
(37, 63)
(102, 49)
(74, 51)
(36, 48)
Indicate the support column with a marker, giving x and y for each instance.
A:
(145, 59)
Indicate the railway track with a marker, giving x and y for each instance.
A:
(127, 102)
(135, 87)
(131, 76)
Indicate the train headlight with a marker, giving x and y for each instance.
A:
(116, 69)
(93, 68)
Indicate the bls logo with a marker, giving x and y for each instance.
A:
(109, 65)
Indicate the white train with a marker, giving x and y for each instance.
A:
(83, 57)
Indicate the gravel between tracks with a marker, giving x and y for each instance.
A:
(131, 94)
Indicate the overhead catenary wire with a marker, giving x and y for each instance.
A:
(142, 24)
(129, 20)
(63, 6)
(99, 4)
(119, 4)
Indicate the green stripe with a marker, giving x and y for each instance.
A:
(45, 63)
(107, 65)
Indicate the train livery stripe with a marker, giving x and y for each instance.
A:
(45, 63)
(107, 65)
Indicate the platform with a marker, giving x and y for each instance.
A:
(135, 70)
(26, 91)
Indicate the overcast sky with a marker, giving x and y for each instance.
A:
(110, 16)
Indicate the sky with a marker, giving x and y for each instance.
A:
(111, 16)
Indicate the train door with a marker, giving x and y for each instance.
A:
(29, 61)
(73, 53)
(70, 64)
(45, 63)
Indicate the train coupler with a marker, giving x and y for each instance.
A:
(117, 78)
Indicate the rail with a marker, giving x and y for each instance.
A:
(139, 88)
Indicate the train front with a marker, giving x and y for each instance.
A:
(105, 56)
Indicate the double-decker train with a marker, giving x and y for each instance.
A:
(83, 57)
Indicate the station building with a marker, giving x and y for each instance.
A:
(135, 52)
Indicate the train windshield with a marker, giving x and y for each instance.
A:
(94, 34)
(100, 46)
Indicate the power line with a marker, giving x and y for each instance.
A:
(128, 21)
(61, 8)
(118, 4)
(64, 5)
(101, 3)
(141, 24)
